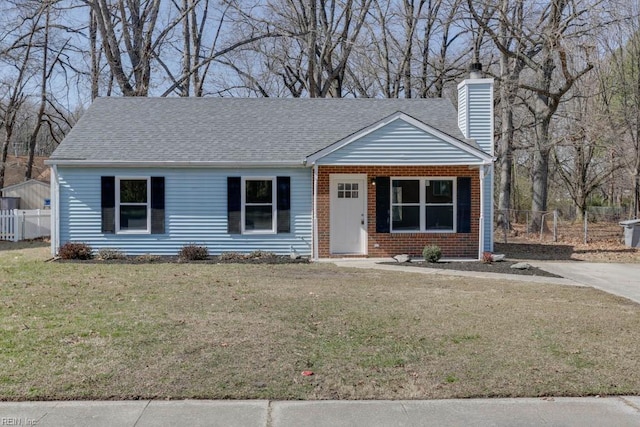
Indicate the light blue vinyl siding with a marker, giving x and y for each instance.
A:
(479, 100)
(399, 143)
(462, 111)
(479, 121)
(195, 211)
(475, 119)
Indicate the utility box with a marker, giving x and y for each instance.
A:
(631, 232)
(9, 203)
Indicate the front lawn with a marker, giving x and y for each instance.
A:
(91, 331)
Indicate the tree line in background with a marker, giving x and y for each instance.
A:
(567, 72)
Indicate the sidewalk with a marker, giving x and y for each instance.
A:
(590, 411)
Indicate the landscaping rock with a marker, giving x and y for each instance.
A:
(497, 257)
(521, 266)
(402, 258)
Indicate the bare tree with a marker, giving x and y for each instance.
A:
(17, 56)
(510, 22)
(620, 84)
(198, 24)
(415, 48)
(547, 32)
(582, 153)
(130, 40)
(317, 39)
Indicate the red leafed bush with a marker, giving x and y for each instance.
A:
(71, 250)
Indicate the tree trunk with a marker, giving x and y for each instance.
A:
(4, 150)
(636, 195)
(186, 49)
(539, 182)
(95, 57)
(311, 49)
(505, 148)
(506, 166)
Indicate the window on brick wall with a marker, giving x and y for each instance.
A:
(423, 205)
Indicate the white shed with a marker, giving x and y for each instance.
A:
(33, 194)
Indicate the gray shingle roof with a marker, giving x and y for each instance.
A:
(233, 129)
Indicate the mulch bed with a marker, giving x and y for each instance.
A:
(503, 267)
(152, 259)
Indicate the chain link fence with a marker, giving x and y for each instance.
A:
(600, 224)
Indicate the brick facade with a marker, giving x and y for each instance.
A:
(389, 244)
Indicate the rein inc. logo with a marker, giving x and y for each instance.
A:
(15, 421)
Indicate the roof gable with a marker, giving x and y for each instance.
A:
(28, 183)
(400, 139)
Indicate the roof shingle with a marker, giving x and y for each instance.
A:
(233, 129)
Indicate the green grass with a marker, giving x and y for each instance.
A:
(108, 331)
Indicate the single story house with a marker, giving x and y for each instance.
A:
(32, 194)
(323, 177)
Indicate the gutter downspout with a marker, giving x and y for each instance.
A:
(315, 212)
(481, 225)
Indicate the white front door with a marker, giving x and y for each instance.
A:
(348, 214)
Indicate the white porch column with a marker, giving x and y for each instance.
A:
(481, 219)
(55, 211)
(315, 212)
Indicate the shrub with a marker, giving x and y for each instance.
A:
(193, 252)
(107, 254)
(432, 253)
(232, 256)
(147, 258)
(487, 257)
(259, 254)
(72, 250)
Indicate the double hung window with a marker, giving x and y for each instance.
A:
(258, 205)
(422, 205)
(132, 204)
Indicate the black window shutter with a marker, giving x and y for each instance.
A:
(383, 204)
(464, 205)
(234, 205)
(284, 204)
(157, 205)
(108, 203)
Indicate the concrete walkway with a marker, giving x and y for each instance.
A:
(613, 411)
(617, 279)
(375, 263)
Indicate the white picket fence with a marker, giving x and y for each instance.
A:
(16, 224)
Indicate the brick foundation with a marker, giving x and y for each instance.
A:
(453, 245)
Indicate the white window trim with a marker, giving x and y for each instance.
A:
(274, 204)
(423, 203)
(148, 204)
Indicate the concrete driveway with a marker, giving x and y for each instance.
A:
(618, 279)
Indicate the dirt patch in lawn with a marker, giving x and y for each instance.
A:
(604, 244)
(602, 252)
(175, 331)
